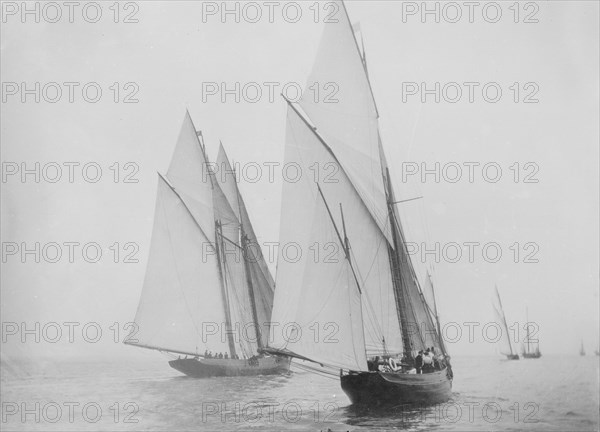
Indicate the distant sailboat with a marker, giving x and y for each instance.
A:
(582, 350)
(366, 296)
(499, 312)
(204, 292)
(528, 351)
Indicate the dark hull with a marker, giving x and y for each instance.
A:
(512, 356)
(532, 355)
(207, 368)
(379, 388)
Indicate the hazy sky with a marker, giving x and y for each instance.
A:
(171, 52)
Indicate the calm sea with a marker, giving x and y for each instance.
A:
(554, 393)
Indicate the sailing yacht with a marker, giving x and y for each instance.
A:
(358, 311)
(528, 351)
(505, 339)
(207, 293)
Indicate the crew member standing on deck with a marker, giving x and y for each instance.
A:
(419, 362)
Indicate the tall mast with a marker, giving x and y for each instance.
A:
(221, 259)
(399, 294)
(437, 317)
(244, 243)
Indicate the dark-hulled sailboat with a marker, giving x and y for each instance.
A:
(352, 301)
(531, 348)
(207, 288)
(505, 339)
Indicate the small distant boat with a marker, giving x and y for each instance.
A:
(597, 352)
(207, 288)
(582, 350)
(505, 340)
(528, 351)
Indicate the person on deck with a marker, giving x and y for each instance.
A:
(419, 362)
(373, 365)
(427, 362)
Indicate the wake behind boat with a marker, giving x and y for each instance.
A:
(358, 311)
(207, 286)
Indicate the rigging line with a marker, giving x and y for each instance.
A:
(311, 369)
(188, 209)
(408, 262)
(239, 308)
(224, 283)
(364, 278)
(407, 280)
(343, 243)
(363, 63)
(376, 331)
(231, 241)
(373, 318)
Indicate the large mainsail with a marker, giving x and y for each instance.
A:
(181, 286)
(395, 316)
(198, 293)
(313, 302)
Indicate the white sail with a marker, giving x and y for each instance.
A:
(189, 175)
(317, 311)
(302, 223)
(181, 297)
(505, 346)
(344, 111)
(255, 267)
(197, 292)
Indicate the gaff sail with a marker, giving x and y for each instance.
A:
(200, 293)
(344, 135)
